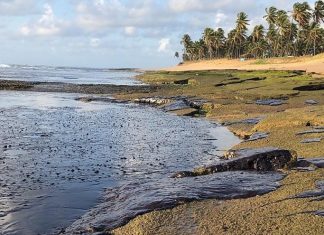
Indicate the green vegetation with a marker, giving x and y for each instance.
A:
(294, 33)
(231, 95)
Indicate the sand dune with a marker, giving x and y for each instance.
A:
(310, 64)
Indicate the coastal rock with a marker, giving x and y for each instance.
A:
(176, 105)
(313, 131)
(310, 87)
(309, 141)
(189, 81)
(316, 162)
(317, 194)
(311, 102)
(262, 159)
(153, 100)
(249, 121)
(270, 102)
(258, 136)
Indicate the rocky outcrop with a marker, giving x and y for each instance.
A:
(176, 103)
(262, 159)
(153, 100)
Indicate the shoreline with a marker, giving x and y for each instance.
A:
(167, 88)
(171, 221)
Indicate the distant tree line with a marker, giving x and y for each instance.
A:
(295, 33)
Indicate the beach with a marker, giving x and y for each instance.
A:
(308, 63)
(264, 108)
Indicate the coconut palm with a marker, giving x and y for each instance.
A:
(271, 15)
(298, 33)
(318, 13)
(258, 33)
(313, 36)
(302, 13)
(241, 27)
(209, 38)
(219, 42)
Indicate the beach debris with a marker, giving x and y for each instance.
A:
(258, 136)
(270, 102)
(314, 140)
(261, 159)
(311, 102)
(313, 131)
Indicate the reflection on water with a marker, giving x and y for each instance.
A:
(57, 154)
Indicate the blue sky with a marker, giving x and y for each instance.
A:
(112, 33)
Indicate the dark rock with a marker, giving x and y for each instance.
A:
(311, 102)
(310, 87)
(317, 162)
(319, 213)
(189, 81)
(263, 159)
(249, 121)
(153, 100)
(177, 105)
(270, 102)
(258, 136)
(317, 193)
(183, 174)
(308, 141)
(313, 131)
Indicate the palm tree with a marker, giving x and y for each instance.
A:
(187, 44)
(297, 34)
(271, 15)
(318, 13)
(302, 13)
(209, 38)
(258, 33)
(241, 27)
(219, 41)
(313, 36)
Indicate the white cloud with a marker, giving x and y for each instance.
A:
(220, 18)
(17, 7)
(164, 45)
(46, 25)
(130, 30)
(95, 42)
(197, 5)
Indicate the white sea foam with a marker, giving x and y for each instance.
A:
(4, 66)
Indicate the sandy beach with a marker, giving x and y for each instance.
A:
(308, 63)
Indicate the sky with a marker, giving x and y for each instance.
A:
(113, 33)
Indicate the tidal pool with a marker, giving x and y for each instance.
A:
(60, 157)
